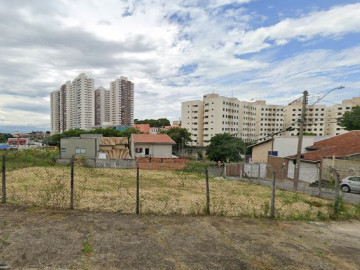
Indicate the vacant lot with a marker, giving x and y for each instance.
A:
(161, 192)
(73, 239)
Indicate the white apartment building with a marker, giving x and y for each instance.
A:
(213, 115)
(77, 106)
(102, 106)
(54, 110)
(336, 111)
(315, 119)
(84, 113)
(257, 120)
(122, 102)
(72, 106)
(193, 120)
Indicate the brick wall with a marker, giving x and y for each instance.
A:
(161, 163)
(279, 165)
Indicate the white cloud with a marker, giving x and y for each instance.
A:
(153, 43)
(334, 22)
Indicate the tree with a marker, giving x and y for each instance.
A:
(225, 147)
(161, 122)
(4, 137)
(350, 120)
(181, 136)
(106, 132)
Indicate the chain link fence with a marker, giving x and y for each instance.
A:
(180, 192)
(196, 189)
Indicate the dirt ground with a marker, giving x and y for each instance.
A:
(70, 239)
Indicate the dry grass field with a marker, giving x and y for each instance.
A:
(161, 192)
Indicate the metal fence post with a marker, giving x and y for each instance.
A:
(3, 179)
(320, 176)
(137, 191)
(259, 170)
(72, 185)
(273, 188)
(337, 195)
(207, 192)
(283, 174)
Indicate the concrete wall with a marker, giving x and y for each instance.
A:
(344, 168)
(309, 172)
(115, 163)
(102, 163)
(252, 169)
(68, 147)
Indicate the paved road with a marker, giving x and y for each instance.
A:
(303, 187)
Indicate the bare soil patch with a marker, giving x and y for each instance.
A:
(57, 238)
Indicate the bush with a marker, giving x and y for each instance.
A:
(194, 167)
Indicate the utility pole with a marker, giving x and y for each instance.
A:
(300, 139)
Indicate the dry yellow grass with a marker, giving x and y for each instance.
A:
(161, 192)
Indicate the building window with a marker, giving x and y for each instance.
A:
(147, 151)
(80, 151)
(138, 150)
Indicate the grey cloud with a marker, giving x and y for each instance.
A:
(104, 22)
(40, 108)
(57, 49)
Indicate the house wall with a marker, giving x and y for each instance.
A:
(260, 152)
(97, 136)
(155, 150)
(68, 147)
(284, 145)
(287, 146)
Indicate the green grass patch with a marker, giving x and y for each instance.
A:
(163, 193)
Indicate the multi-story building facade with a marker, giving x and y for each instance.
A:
(254, 121)
(72, 105)
(122, 102)
(336, 111)
(212, 115)
(269, 120)
(77, 106)
(55, 111)
(193, 120)
(84, 100)
(102, 106)
(315, 118)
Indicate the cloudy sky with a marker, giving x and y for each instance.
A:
(176, 51)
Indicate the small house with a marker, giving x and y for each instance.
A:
(151, 145)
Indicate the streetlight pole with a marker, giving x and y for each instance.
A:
(300, 139)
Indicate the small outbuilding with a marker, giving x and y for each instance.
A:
(151, 145)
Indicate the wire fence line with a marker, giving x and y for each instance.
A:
(196, 189)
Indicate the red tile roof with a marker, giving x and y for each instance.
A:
(145, 128)
(152, 138)
(338, 146)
